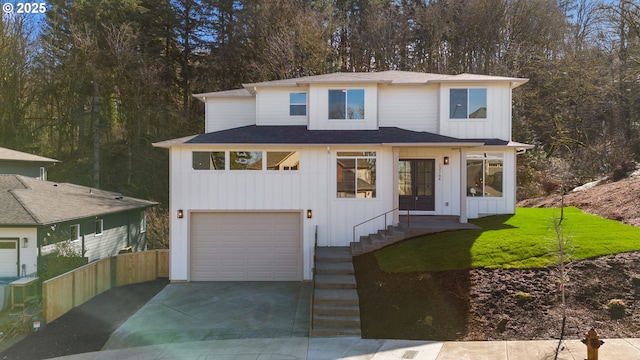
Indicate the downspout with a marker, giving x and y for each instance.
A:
(396, 198)
(463, 186)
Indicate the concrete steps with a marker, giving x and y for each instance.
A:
(382, 238)
(336, 307)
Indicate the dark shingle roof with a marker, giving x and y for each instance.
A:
(253, 134)
(29, 201)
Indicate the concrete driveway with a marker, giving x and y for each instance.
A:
(200, 311)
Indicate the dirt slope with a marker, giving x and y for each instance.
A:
(618, 200)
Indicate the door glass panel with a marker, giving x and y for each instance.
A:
(404, 176)
(425, 178)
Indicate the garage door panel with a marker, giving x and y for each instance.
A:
(245, 246)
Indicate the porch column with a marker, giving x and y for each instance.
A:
(396, 195)
(463, 186)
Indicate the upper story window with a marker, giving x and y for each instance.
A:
(297, 104)
(346, 104)
(468, 103)
(484, 174)
(207, 160)
(356, 174)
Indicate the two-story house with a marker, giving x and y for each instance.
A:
(285, 165)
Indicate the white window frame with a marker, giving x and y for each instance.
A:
(143, 221)
(346, 92)
(295, 103)
(101, 222)
(468, 111)
(79, 236)
(363, 156)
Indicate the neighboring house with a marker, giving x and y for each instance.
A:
(17, 162)
(39, 215)
(284, 165)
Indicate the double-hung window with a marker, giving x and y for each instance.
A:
(484, 174)
(468, 103)
(298, 104)
(356, 174)
(346, 104)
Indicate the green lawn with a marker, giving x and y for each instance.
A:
(524, 240)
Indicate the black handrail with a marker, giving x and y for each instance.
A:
(373, 218)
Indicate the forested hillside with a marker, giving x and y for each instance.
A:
(94, 82)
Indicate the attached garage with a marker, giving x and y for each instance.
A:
(246, 246)
(8, 257)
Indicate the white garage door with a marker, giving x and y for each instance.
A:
(8, 258)
(246, 246)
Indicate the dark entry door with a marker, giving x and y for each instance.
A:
(416, 179)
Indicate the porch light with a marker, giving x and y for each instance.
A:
(25, 242)
(446, 160)
(180, 214)
(309, 214)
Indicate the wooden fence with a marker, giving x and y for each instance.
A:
(62, 293)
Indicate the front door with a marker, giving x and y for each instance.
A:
(416, 179)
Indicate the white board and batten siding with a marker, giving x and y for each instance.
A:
(196, 191)
(409, 107)
(497, 125)
(245, 246)
(273, 106)
(447, 177)
(483, 206)
(229, 113)
(318, 100)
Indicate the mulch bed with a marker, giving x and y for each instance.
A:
(86, 328)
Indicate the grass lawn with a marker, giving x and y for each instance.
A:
(524, 240)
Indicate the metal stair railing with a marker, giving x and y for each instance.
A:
(373, 218)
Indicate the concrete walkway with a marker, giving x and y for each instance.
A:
(360, 349)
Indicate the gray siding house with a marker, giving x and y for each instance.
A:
(17, 162)
(41, 217)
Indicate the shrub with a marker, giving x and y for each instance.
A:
(617, 308)
(522, 297)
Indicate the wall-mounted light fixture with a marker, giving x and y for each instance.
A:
(446, 160)
(180, 214)
(309, 214)
(25, 242)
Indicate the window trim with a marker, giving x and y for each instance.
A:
(292, 103)
(484, 157)
(101, 222)
(76, 226)
(468, 99)
(143, 221)
(363, 155)
(346, 104)
(194, 152)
